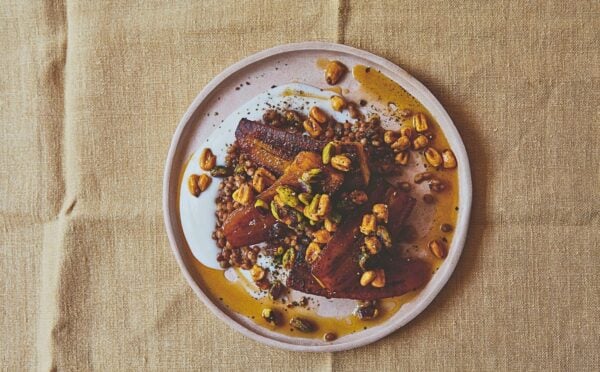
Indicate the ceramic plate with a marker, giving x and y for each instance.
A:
(205, 120)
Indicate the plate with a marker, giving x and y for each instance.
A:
(231, 89)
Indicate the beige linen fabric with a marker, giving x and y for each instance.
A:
(91, 92)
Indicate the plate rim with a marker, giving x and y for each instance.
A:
(465, 196)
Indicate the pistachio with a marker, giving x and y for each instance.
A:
(390, 137)
(420, 142)
(305, 198)
(312, 252)
(423, 176)
(407, 131)
(328, 152)
(292, 117)
(368, 225)
(318, 115)
(287, 196)
(204, 181)
(363, 261)
(449, 159)
(261, 204)
(334, 72)
(312, 127)
(305, 186)
(438, 249)
(310, 211)
(243, 195)
(275, 210)
(402, 158)
(276, 290)
(271, 316)
(379, 280)
(381, 212)
(341, 163)
(313, 175)
(288, 258)
(220, 171)
(303, 325)
(367, 277)
(322, 236)
(324, 206)
(239, 169)
(372, 244)
(420, 122)
(359, 197)
(353, 110)
(330, 225)
(257, 273)
(193, 185)
(384, 236)
(401, 144)
(337, 103)
(433, 157)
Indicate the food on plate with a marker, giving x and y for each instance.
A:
(333, 198)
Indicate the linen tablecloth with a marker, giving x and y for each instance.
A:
(91, 92)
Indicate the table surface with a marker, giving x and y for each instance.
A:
(91, 93)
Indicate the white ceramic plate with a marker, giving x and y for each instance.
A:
(231, 89)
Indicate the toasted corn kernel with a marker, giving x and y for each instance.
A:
(257, 273)
(328, 152)
(324, 206)
(449, 159)
(334, 72)
(438, 249)
(243, 195)
(341, 162)
(420, 122)
(369, 224)
(379, 280)
(318, 115)
(337, 103)
(423, 176)
(312, 252)
(401, 144)
(367, 277)
(433, 157)
(270, 315)
(207, 159)
(193, 185)
(312, 128)
(420, 142)
(353, 110)
(407, 131)
(262, 179)
(390, 137)
(322, 236)
(372, 244)
(402, 158)
(204, 181)
(330, 225)
(381, 212)
(287, 196)
(384, 236)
